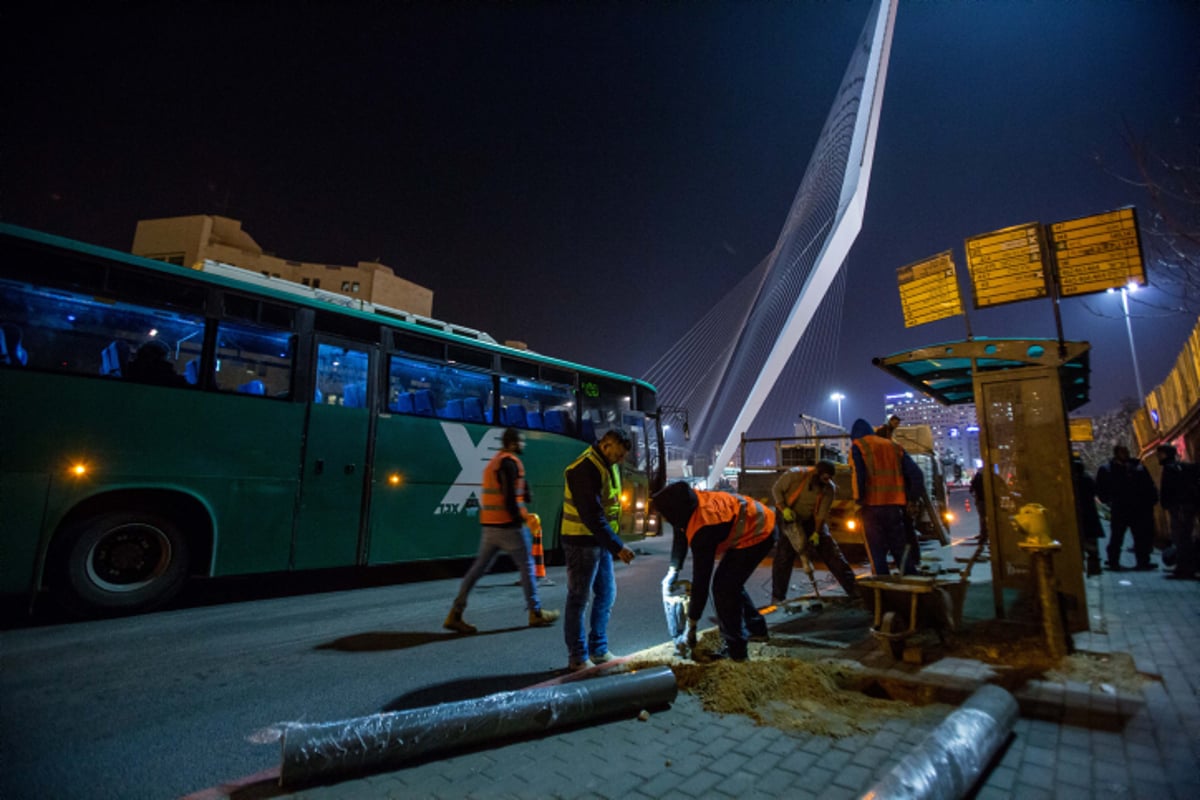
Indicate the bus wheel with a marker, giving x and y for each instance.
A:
(122, 562)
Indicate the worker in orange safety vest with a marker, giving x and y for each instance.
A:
(879, 490)
(504, 517)
(803, 497)
(742, 532)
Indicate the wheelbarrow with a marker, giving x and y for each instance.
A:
(907, 604)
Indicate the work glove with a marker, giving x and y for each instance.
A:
(535, 523)
(814, 539)
(789, 515)
(691, 634)
(668, 583)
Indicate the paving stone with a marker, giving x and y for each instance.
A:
(852, 777)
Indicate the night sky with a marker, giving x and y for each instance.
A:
(592, 178)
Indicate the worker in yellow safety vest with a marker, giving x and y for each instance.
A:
(738, 529)
(504, 516)
(590, 540)
(879, 490)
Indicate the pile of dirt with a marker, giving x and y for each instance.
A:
(1021, 650)
(791, 694)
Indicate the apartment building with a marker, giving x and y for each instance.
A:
(189, 241)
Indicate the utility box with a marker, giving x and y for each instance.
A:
(1024, 437)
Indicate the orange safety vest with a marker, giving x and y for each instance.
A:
(885, 473)
(493, 511)
(752, 521)
(805, 479)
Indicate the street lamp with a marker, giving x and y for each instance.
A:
(838, 397)
(1137, 373)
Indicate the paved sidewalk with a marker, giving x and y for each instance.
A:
(1072, 740)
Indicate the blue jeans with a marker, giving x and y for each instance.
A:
(589, 572)
(517, 543)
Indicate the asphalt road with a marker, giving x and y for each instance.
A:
(165, 704)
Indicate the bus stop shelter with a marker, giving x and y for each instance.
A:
(1023, 390)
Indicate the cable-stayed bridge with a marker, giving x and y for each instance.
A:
(769, 347)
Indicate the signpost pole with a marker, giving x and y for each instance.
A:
(1050, 258)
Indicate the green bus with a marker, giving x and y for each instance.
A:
(162, 423)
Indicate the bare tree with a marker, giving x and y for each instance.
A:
(1108, 430)
(1169, 172)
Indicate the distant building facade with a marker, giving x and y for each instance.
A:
(189, 241)
(955, 428)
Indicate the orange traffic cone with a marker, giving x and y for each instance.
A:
(539, 557)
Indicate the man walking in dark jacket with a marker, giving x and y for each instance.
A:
(1180, 498)
(1128, 490)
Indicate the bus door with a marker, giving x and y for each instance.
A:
(336, 475)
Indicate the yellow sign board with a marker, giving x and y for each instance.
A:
(929, 290)
(1006, 266)
(1097, 253)
(1080, 429)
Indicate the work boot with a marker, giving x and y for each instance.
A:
(542, 618)
(454, 622)
(1093, 566)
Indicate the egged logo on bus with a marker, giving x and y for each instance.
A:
(462, 497)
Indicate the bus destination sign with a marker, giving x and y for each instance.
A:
(1098, 253)
(1006, 265)
(929, 290)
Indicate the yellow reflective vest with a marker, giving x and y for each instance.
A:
(610, 488)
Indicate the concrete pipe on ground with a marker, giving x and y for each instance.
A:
(950, 759)
(325, 750)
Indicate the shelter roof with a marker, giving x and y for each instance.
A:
(946, 372)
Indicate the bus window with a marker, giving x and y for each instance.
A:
(438, 390)
(604, 404)
(526, 404)
(254, 360)
(66, 332)
(342, 376)
(640, 431)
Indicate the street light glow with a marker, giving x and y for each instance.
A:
(838, 397)
(1126, 290)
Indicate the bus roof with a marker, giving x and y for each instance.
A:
(287, 291)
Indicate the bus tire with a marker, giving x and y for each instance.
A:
(122, 562)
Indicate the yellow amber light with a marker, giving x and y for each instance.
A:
(394, 479)
(79, 469)
(851, 524)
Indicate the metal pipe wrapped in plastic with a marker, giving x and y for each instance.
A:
(324, 750)
(953, 755)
